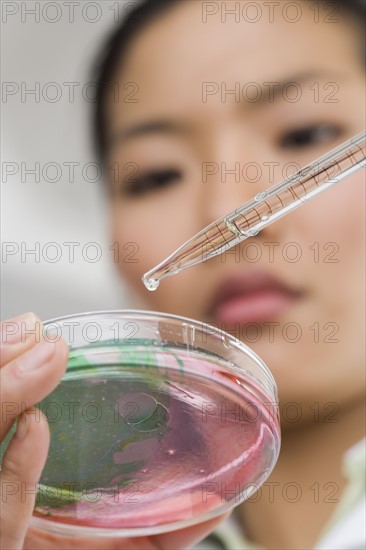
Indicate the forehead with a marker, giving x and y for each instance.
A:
(186, 47)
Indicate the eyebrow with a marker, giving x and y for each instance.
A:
(152, 127)
(273, 89)
(270, 91)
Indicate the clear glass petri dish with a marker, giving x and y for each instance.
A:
(159, 423)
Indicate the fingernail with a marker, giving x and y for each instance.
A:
(22, 425)
(17, 329)
(37, 356)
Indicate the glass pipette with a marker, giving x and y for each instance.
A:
(263, 209)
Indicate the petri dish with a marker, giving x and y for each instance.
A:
(160, 422)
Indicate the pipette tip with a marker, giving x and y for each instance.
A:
(150, 284)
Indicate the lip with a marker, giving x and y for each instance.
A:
(250, 297)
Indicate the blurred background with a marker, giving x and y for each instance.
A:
(51, 190)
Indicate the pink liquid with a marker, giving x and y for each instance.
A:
(220, 444)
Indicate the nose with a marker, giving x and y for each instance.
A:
(230, 180)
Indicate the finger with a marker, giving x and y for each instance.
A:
(22, 465)
(29, 378)
(186, 538)
(176, 540)
(17, 335)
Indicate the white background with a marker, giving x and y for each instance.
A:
(36, 129)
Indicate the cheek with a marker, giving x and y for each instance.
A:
(336, 273)
(129, 235)
(348, 226)
(343, 224)
(336, 221)
(153, 238)
(343, 210)
(331, 232)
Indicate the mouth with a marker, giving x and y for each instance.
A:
(252, 297)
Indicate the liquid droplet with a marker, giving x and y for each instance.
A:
(260, 196)
(232, 227)
(225, 343)
(251, 232)
(265, 218)
(150, 284)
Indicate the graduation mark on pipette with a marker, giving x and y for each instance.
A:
(265, 208)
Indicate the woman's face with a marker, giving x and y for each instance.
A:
(216, 110)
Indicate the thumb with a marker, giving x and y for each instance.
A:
(189, 536)
(21, 469)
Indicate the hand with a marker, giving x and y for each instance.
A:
(30, 368)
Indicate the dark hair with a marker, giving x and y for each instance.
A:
(137, 18)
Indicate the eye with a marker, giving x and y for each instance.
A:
(150, 181)
(309, 136)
